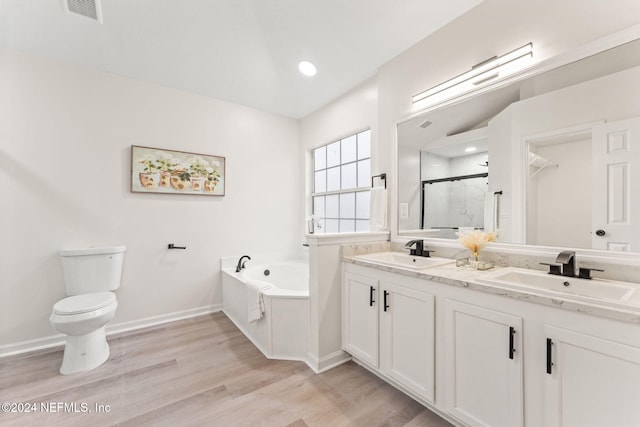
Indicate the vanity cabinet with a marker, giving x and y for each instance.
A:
(483, 365)
(390, 328)
(360, 317)
(407, 338)
(589, 380)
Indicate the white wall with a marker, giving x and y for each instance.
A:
(65, 135)
(562, 213)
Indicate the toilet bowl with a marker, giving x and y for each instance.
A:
(83, 319)
(90, 276)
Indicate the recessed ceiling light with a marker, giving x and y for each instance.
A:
(470, 149)
(307, 68)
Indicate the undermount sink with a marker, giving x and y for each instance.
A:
(398, 259)
(533, 280)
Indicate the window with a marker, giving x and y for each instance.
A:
(341, 184)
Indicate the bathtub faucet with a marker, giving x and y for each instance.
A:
(240, 265)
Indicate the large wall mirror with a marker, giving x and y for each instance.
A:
(551, 160)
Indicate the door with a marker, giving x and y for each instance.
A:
(360, 318)
(407, 328)
(590, 381)
(483, 365)
(616, 162)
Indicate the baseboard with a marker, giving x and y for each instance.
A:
(161, 319)
(58, 340)
(320, 365)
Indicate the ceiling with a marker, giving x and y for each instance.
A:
(242, 51)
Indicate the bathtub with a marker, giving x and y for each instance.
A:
(283, 331)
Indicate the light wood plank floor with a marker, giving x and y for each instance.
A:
(201, 371)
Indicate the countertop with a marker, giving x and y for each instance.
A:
(462, 277)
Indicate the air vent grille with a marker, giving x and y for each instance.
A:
(88, 8)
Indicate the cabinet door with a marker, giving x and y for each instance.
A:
(590, 381)
(360, 317)
(407, 338)
(483, 365)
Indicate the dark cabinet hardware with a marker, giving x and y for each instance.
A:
(512, 349)
(600, 232)
(371, 291)
(173, 246)
(386, 295)
(549, 362)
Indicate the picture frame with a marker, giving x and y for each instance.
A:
(164, 171)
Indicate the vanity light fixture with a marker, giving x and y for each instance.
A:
(307, 68)
(479, 75)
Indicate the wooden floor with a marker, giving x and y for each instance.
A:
(200, 371)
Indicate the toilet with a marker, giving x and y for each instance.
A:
(90, 276)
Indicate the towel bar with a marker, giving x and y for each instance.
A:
(382, 176)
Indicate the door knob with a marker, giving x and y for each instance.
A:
(600, 232)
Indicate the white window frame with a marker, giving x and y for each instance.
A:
(359, 189)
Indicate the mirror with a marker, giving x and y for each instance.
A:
(547, 160)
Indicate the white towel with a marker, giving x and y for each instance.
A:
(378, 209)
(255, 300)
(488, 212)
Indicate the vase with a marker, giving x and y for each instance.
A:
(177, 182)
(149, 180)
(197, 182)
(165, 179)
(210, 186)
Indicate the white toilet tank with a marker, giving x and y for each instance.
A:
(92, 269)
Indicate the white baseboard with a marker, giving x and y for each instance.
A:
(163, 318)
(58, 340)
(319, 365)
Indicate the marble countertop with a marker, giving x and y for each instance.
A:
(462, 277)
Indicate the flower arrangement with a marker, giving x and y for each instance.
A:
(476, 240)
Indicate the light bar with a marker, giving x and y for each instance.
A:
(489, 70)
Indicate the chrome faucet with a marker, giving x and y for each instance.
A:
(568, 261)
(240, 265)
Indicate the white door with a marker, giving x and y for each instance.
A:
(360, 318)
(616, 183)
(590, 381)
(407, 328)
(483, 365)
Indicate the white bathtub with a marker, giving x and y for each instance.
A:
(283, 331)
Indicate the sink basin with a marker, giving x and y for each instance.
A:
(568, 286)
(398, 259)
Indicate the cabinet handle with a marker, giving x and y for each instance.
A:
(549, 362)
(371, 291)
(512, 349)
(386, 306)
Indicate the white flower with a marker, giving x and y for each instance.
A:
(163, 155)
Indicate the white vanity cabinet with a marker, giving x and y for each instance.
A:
(483, 365)
(391, 328)
(407, 336)
(360, 317)
(590, 380)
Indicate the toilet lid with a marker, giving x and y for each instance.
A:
(84, 303)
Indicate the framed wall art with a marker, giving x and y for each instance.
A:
(157, 170)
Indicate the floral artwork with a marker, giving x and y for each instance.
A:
(155, 170)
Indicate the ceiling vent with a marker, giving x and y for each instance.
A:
(87, 8)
